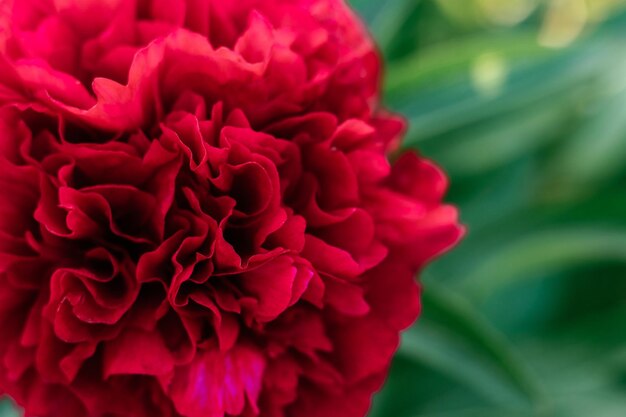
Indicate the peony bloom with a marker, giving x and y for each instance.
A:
(198, 216)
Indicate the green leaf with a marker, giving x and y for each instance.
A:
(453, 338)
(389, 20)
(595, 153)
(549, 250)
(441, 110)
(508, 138)
(442, 61)
(7, 409)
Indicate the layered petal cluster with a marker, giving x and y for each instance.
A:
(198, 213)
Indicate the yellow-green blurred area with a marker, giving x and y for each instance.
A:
(524, 104)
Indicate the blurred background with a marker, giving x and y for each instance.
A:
(524, 104)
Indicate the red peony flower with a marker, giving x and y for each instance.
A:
(197, 213)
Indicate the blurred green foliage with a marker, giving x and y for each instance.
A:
(524, 104)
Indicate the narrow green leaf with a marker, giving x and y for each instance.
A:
(442, 60)
(598, 150)
(550, 250)
(507, 138)
(7, 409)
(389, 20)
(454, 338)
